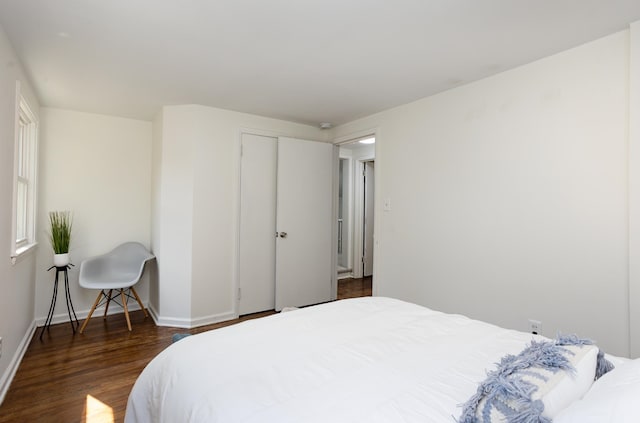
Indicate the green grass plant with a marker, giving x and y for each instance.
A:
(60, 235)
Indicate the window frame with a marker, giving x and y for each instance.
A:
(25, 167)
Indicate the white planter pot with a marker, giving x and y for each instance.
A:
(61, 260)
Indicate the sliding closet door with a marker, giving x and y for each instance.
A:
(305, 265)
(257, 254)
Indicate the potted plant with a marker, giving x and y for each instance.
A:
(60, 236)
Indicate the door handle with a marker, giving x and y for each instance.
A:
(283, 234)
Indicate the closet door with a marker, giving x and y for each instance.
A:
(305, 265)
(257, 249)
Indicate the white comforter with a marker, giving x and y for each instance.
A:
(358, 360)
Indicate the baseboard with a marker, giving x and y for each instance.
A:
(10, 373)
(214, 318)
(179, 322)
(174, 322)
(153, 314)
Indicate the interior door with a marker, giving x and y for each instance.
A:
(257, 254)
(305, 263)
(368, 219)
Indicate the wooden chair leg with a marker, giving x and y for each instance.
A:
(107, 306)
(135, 294)
(126, 311)
(84, 324)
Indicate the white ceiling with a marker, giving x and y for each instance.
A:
(307, 61)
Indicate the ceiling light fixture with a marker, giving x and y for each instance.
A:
(326, 125)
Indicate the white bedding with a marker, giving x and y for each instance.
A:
(360, 360)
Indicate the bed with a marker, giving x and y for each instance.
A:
(367, 359)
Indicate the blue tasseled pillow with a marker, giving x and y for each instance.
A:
(535, 385)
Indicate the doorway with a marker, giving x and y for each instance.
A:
(356, 186)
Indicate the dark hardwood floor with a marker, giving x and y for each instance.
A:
(351, 288)
(87, 377)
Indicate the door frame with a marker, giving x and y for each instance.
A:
(348, 214)
(349, 139)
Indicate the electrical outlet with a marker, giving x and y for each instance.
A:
(535, 326)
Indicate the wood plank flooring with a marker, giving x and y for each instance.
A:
(87, 377)
(351, 288)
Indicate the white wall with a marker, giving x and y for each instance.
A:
(16, 281)
(199, 204)
(99, 168)
(634, 187)
(156, 186)
(509, 196)
(172, 217)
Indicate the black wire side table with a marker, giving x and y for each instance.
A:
(52, 307)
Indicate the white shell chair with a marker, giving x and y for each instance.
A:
(120, 269)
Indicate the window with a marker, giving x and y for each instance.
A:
(25, 165)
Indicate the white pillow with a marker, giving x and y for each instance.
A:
(612, 398)
(565, 388)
